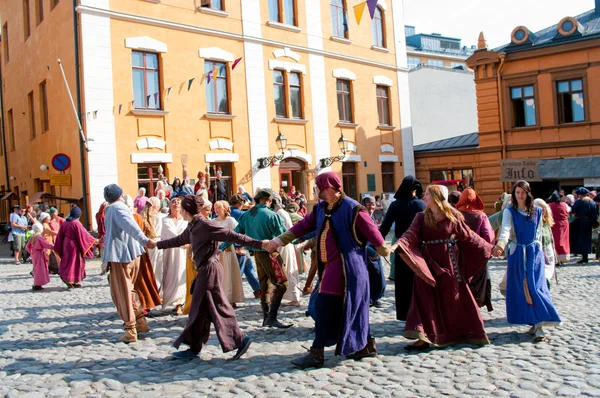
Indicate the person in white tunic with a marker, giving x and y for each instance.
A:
(232, 278)
(288, 254)
(156, 256)
(173, 280)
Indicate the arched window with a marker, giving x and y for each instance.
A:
(377, 27)
(339, 19)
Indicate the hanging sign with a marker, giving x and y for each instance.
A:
(514, 170)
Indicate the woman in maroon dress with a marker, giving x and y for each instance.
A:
(101, 229)
(560, 229)
(443, 311)
(73, 244)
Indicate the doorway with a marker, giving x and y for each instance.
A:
(291, 174)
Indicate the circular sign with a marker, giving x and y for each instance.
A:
(61, 162)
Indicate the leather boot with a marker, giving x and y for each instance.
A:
(141, 325)
(315, 358)
(265, 312)
(129, 336)
(272, 316)
(369, 351)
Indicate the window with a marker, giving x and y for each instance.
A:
(349, 179)
(5, 41)
(458, 65)
(570, 101)
(383, 105)
(280, 89)
(11, 129)
(147, 177)
(413, 62)
(377, 28)
(31, 109)
(225, 179)
(279, 93)
(26, 20)
(216, 89)
(146, 91)
(387, 175)
(39, 7)
(449, 45)
(344, 98)
(296, 95)
(462, 178)
(44, 107)
(53, 3)
(283, 11)
(523, 106)
(214, 4)
(435, 62)
(339, 18)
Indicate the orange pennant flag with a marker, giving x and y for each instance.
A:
(215, 73)
(358, 11)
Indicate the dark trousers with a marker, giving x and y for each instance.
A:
(266, 275)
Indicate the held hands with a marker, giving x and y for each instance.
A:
(497, 251)
(270, 245)
(151, 245)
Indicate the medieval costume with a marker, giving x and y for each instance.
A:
(209, 304)
(100, 216)
(156, 256)
(402, 211)
(73, 244)
(560, 229)
(38, 248)
(173, 279)
(585, 214)
(471, 206)
(190, 276)
(145, 282)
(232, 278)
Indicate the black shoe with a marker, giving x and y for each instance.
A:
(271, 319)
(37, 288)
(265, 312)
(370, 351)
(582, 262)
(313, 359)
(423, 347)
(243, 348)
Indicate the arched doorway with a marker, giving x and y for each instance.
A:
(291, 173)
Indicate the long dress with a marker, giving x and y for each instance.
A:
(232, 278)
(585, 214)
(173, 280)
(145, 283)
(560, 230)
(290, 260)
(526, 263)
(447, 313)
(73, 244)
(190, 277)
(156, 256)
(37, 248)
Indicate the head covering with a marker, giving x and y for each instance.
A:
(192, 204)
(444, 190)
(593, 194)
(470, 202)
(264, 193)
(277, 202)
(74, 214)
(112, 193)
(142, 190)
(582, 191)
(37, 228)
(454, 197)
(154, 202)
(571, 198)
(328, 180)
(554, 198)
(16, 207)
(368, 199)
(292, 207)
(43, 216)
(52, 210)
(409, 184)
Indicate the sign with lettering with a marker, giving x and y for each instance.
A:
(61, 180)
(514, 170)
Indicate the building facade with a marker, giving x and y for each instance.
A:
(538, 107)
(435, 50)
(187, 86)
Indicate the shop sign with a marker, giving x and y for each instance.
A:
(61, 180)
(514, 170)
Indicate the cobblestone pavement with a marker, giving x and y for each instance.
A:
(62, 343)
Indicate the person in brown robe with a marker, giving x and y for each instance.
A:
(443, 311)
(145, 282)
(209, 304)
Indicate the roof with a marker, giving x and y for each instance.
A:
(570, 168)
(589, 28)
(467, 141)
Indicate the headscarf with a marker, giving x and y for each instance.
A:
(453, 198)
(74, 214)
(571, 199)
(368, 199)
(328, 180)
(470, 202)
(37, 228)
(277, 203)
(112, 193)
(444, 190)
(409, 184)
(192, 204)
(263, 193)
(154, 202)
(43, 216)
(293, 207)
(141, 191)
(52, 210)
(582, 191)
(554, 198)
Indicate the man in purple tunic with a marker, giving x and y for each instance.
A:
(342, 308)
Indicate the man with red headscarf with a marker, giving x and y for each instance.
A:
(343, 229)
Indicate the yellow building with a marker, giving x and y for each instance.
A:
(156, 88)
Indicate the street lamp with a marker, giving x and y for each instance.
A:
(343, 144)
(281, 142)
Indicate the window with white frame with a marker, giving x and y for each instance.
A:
(378, 28)
(216, 87)
(146, 80)
(214, 4)
(339, 18)
(435, 62)
(413, 62)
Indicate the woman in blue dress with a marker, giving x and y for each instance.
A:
(528, 300)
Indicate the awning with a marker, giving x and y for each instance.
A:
(37, 197)
(44, 196)
(9, 196)
(570, 168)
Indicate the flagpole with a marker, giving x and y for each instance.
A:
(85, 141)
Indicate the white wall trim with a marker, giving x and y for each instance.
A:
(343, 73)
(216, 54)
(388, 158)
(387, 148)
(151, 142)
(287, 66)
(296, 153)
(352, 147)
(221, 157)
(352, 158)
(382, 4)
(220, 143)
(287, 52)
(383, 81)
(151, 158)
(145, 43)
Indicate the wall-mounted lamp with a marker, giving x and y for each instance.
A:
(43, 167)
(11, 178)
(281, 142)
(343, 143)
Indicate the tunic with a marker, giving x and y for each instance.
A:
(447, 313)
(156, 256)
(209, 304)
(560, 229)
(73, 244)
(37, 248)
(232, 278)
(290, 261)
(173, 280)
(145, 283)
(585, 214)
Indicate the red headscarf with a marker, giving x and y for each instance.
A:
(328, 180)
(470, 202)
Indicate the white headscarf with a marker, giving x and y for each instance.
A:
(444, 190)
(37, 228)
(43, 216)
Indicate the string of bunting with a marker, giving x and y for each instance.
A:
(212, 74)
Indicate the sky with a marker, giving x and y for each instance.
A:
(464, 19)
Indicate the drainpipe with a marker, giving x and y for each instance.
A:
(4, 133)
(500, 108)
(84, 184)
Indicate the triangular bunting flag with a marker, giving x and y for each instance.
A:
(95, 115)
(120, 106)
(156, 99)
(372, 4)
(222, 69)
(237, 61)
(208, 75)
(181, 87)
(169, 91)
(215, 73)
(359, 9)
(190, 83)
(148, 100)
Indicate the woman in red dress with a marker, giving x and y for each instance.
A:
(560, 229)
